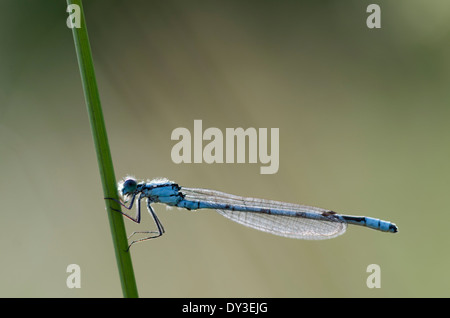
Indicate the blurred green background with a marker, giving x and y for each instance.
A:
(363, 118)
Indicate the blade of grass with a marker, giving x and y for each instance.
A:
(105, 164)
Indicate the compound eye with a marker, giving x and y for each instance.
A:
(130, 183)
(129, 186)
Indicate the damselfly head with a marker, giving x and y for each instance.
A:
(127, 187)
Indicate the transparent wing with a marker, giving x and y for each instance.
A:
(313, 224)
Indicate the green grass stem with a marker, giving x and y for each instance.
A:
(105, 164)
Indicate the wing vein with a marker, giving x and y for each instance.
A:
(309, 223)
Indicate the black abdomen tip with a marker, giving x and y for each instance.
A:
(393, 228)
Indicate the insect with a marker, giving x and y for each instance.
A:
(279, 218)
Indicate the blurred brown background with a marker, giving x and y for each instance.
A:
(363, 118)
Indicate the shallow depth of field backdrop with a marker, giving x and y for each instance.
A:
(363, 117)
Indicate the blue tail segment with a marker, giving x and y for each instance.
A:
(372, 223)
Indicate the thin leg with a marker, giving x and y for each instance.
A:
(155, 218)
(142, 232)
(122, 204)
(136, 219)
(158, 225)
